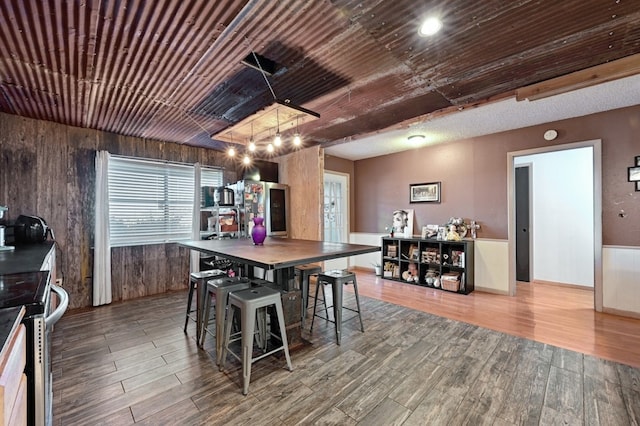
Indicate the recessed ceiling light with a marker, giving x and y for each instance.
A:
(430, 27)
(416, 139)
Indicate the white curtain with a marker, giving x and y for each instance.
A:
(195, 223)
(102, 250)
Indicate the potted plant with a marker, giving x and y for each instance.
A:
(378, 268)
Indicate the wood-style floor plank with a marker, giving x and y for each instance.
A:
(426, 357)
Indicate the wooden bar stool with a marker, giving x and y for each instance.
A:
(219, 289)
(249, 302)
(337, 279)
(197, 280)
(304, 272)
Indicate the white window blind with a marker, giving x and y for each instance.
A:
(149, 201)
(211, 177)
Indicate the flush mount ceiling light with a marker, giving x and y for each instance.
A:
(416, 140)
(430, 26)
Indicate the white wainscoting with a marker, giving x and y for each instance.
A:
(621, 280)
(367, 260)
(492, 265)
(491, 261)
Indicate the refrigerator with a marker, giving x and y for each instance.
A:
(267, 200)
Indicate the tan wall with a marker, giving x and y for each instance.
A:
(473, 173)
(47, 170)
(303, 172)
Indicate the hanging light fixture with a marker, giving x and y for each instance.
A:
(263, 118)
(231, 152)
(252, 144)
(277, 141)
(270, 148)
(296, 137)
(246, 159)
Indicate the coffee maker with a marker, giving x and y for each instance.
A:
(3, 247)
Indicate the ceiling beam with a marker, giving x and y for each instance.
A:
(609, 71)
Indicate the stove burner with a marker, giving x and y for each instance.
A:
(28, 289)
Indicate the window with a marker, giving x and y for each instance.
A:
(150, 201)
(211, 177)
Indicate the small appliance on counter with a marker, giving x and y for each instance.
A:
(3, 247)
(31, 229)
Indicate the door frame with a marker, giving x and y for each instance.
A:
(347, 205)
(596, 144)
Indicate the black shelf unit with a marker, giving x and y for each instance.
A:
(434, 259)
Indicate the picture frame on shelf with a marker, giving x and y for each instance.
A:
(429, 231)
(428, 192)
(414, 253)
(402, 221)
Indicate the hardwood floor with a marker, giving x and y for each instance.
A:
(131, 363)
(557, 315)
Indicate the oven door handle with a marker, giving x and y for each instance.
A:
(62, 306)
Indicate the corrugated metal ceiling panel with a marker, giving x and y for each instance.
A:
(170, 69)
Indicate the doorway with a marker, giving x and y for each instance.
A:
(552, 253)
(336, 214)
(523, 222)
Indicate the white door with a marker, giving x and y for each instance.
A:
(336, 214)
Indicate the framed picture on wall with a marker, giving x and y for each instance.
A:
(638, 165)
(424, 192)
(634, 173)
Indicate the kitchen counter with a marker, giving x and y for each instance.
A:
(25, 258)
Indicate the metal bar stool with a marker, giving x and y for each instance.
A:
(197, 281)
(337, 279)
(220, 289)
(248, 302)
(304, 272)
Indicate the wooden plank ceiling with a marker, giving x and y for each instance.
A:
(171, 69)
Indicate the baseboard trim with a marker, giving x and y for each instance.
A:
(491, 290)
(582, 287)
(622, 313)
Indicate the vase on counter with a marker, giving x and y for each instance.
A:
(259, 232)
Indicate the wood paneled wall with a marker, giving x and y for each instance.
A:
(47, 170)
(303, 172)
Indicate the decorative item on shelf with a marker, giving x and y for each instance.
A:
(259, 232)
(461, 227)
(390, 230)
(474, 226)
(451, 281)
(429, 231)
(442, 233)
(402, 224)
(453, 235)
(411, 274)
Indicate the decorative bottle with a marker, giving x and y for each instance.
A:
(259, 232)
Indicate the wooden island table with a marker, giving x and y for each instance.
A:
(281, 255)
